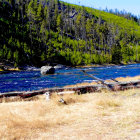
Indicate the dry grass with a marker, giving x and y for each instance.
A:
(14, 69)
(126, 79)
(68, 98)
(17, 99)
(106, 102)
(98, 116)
(82, 84)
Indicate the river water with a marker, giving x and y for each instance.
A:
(33, 80)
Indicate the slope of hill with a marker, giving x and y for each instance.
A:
(40, 32)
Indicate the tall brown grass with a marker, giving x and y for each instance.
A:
(105, 115)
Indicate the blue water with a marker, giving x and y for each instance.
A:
(33, 80)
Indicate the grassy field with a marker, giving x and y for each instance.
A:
(98, 116)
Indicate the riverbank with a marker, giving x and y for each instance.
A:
(9, 70)
(105, 115)
(104, 65)
(7, 67)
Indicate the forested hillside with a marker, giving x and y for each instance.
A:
(37, 32)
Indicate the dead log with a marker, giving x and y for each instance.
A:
(109, 86)
(114, 80)
(27, 94)
(9, 94)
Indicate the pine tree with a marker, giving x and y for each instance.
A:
(40, 13)
(59, 23)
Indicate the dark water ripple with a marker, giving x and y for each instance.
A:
(33, 80)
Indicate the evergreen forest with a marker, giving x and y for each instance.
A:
(38, 32)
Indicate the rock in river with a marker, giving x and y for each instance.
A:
(47, 70)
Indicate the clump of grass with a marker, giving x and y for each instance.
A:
(10, 99)
(74, 99)
(126, 79)
(68, 98)
(18, 98)
(83, 84)
(106, 102)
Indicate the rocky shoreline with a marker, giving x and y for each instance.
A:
(12, 69)
(7, 68)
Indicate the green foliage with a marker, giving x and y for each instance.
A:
(30, 11)
(96, 59)
(39, 15)
(37, 32)
(127, 53)
(116, 54)
(59, 23)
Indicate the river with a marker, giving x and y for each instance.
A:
(33, 80)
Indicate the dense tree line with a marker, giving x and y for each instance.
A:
(38, 32)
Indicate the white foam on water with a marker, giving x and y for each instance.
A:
(89, 80)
